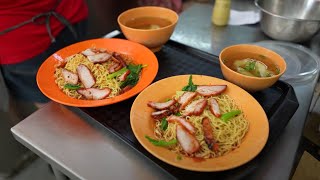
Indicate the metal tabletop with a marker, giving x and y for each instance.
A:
(81, 148)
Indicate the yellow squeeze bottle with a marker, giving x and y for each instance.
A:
(221, 12)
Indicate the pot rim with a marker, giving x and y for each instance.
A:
(256, 2)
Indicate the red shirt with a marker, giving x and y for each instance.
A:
(30, 40)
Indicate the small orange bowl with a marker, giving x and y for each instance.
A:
(243, 51)
(153, 38)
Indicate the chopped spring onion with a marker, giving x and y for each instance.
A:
(72, 86)
(227, 116)
(161, 142)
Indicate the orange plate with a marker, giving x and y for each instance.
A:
(142, 124)
(139, 53)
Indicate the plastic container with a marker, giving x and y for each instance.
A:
(221, 12)
(301, 62)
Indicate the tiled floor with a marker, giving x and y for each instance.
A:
(308, 168)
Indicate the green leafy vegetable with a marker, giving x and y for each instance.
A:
(227, 116)
(190, 87)
(164, 124)
(178, 114)
(161, 142)
(250, 65)
(133, 77)
(179, 157)
(135, 68)
(72, 86)
(117, 73)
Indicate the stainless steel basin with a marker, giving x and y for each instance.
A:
(289, 20)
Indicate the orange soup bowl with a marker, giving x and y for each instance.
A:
(142, 25)
(243, 51)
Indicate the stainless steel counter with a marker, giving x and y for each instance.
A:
(82, 149)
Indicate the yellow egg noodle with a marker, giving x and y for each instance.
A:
(228, 134)
(99, 71)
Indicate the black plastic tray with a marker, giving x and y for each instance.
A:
(278, 101)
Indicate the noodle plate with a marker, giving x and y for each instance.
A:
(99, 71)
(228, 135)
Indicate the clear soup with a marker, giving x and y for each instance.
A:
(148, 23)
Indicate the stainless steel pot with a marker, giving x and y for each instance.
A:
(289, 20)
